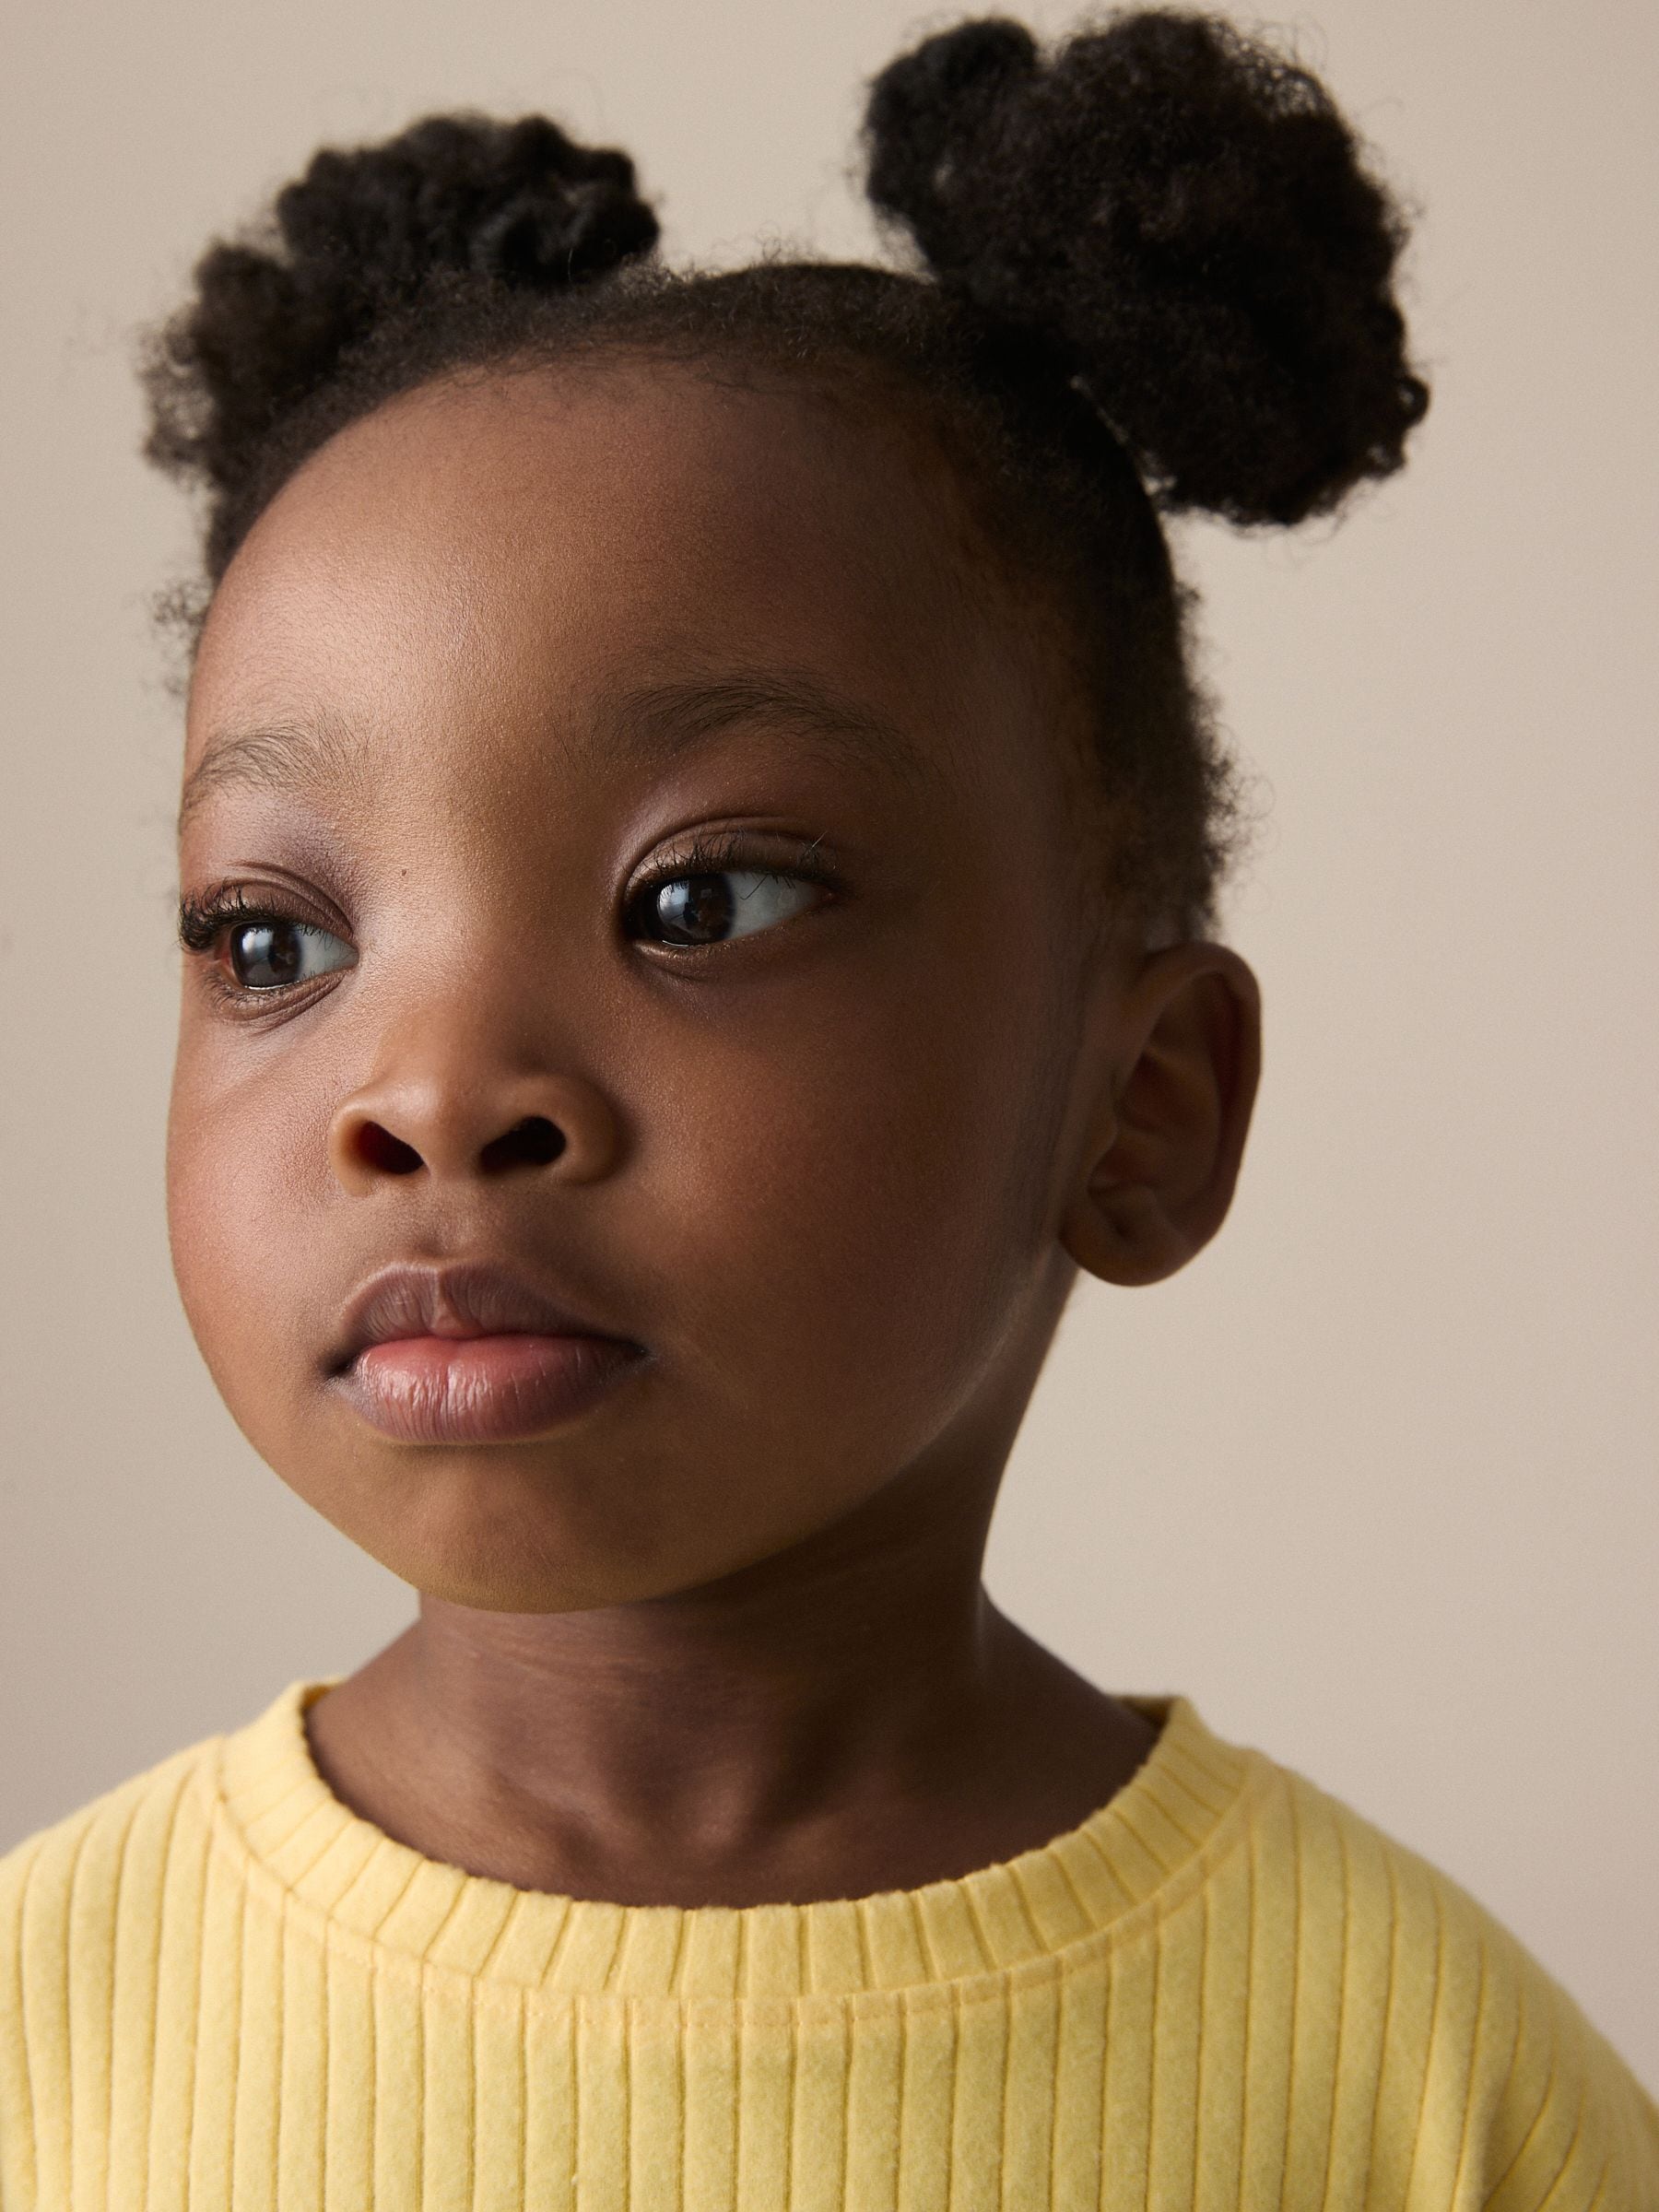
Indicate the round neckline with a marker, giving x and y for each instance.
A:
(299, 1845)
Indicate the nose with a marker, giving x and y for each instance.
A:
(457, 1125)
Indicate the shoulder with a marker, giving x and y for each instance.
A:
(1445, 2053)
(81, 1856)
(113, 1859)
(91, 1889)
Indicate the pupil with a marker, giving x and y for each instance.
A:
(265, 955)
(695, 910)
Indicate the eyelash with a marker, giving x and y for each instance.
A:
(204, 921)
(713, 853)
(201, 920)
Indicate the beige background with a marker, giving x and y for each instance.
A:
(1375, 1481)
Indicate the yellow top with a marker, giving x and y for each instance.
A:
(220, 1988)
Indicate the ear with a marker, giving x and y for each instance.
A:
(1159, 1163)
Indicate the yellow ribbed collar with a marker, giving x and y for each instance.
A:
(302, 1848)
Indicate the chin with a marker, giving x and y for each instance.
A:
(527, 1529)
(523, 1570)
(517, 1555)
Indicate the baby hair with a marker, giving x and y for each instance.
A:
(1149, 272)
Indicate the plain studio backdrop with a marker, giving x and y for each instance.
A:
(1375, 1481)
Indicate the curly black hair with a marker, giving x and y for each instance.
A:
(1148, 270)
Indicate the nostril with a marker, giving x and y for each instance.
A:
(531, 1143)
(378, 1148)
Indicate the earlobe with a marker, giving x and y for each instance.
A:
(1178, 1080)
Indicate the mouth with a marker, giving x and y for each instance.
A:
(471, 1353)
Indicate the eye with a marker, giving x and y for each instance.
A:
(270, 954)
(708, 909)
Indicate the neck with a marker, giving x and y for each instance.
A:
(852, 1714)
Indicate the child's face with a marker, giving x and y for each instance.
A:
(475, 677)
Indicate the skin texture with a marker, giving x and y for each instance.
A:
(720, 1637)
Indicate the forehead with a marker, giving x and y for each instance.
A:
(476, 554)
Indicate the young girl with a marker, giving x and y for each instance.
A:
(698, 847)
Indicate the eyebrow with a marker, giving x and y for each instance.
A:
(280, 756)
(664, 720)
(648, 721)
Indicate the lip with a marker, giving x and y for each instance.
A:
(470, 1352)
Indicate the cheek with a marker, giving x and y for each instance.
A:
(246, 1169)
(863, 1201)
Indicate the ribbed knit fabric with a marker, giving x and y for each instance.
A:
(220, 1988)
